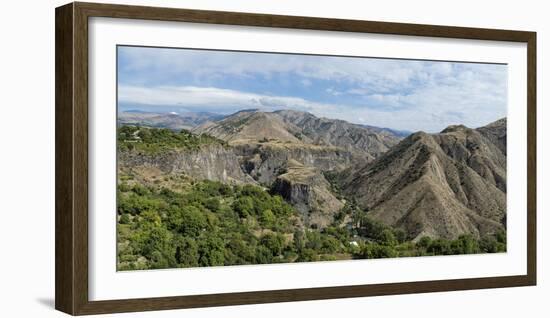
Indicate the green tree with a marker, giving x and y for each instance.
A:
(307, 255)
(465, 244)
(440, 247)
(242, 251)
(244, 206)
(375, 250)
(211, 251)
(489, 244)
(400, 235)
(501, 236)
(124, 219)
(213, 204)
(329, 244)
(424, 242)
(267, 218)
(274, 242)
(314, 240)
(371, 228)
(387, 238)
(263, 255)
(187, 252)
(188, 221)
(154, 242)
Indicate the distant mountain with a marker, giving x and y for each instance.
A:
(300, 127)
(251, 126)
(438, 185)
(136, 111)
(399, 133)
(174, 121)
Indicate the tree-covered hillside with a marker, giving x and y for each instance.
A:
(155, 140)
(211, 224)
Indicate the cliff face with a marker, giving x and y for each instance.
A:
(265, 161)
(309, 192)
(210, 162)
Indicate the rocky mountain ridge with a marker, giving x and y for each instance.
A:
(437, 185)
(289, 126)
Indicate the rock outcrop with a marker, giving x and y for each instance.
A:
(309, 192)
(265, 161)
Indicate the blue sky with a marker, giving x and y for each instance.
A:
(399, 94)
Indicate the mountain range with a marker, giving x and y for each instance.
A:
(438, 185)
(172, 120)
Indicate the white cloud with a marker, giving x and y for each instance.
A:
(209, 98)
(358, 91)
(380, 74)
(333, 91)
(305, 82)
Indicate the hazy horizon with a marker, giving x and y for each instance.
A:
(174, 111)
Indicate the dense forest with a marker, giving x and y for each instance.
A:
(154, 141)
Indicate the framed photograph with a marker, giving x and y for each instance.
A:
(211, 158)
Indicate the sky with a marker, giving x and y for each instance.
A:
(400, 94)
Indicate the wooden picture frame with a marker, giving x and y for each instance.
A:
(71, 90)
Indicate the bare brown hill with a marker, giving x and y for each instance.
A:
(297, 127)
(339, 133)
(437, 185)
(496, 133)
(251, 126)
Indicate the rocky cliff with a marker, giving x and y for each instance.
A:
(210, 162)
(265, 161)
(309, 192)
